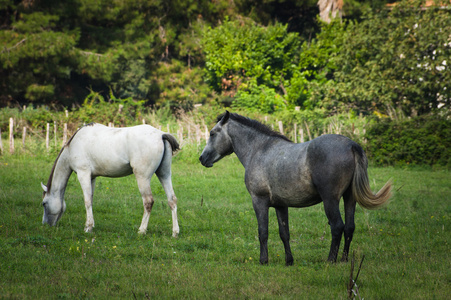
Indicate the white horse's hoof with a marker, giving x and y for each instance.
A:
(143, 232)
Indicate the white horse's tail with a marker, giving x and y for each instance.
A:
(172, 141)
(361, 190)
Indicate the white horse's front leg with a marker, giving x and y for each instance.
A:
(146, 194)
(87, 185)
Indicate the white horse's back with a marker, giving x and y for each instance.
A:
(116, 152)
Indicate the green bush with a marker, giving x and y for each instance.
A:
(259, 98)
(242, 55)
(390, 59)
(121, 112)
(424, 140)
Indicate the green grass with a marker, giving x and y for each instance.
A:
(406, 244)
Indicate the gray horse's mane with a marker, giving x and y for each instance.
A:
(49, 182)
(256, 125)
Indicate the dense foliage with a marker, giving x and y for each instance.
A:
(251, 62)
(393, 59)
(418, 141)
(54, 51)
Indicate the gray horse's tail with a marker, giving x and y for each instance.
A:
(361, 190)
(172, 141)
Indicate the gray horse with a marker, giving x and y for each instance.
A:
(282, 174)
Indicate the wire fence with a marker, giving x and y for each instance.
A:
(57, 135)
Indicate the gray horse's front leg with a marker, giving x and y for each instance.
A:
(284, 232)
(261, 211)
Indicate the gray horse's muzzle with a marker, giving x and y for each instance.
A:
(203, 161)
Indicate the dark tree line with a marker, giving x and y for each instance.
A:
(266, 55)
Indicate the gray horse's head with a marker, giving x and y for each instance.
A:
(54, 207)
(219, 144)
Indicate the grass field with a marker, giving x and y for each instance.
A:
(406, 244)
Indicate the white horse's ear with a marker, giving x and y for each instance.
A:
(44, 187)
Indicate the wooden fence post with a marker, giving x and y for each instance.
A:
(198, 134)
(295, 132)
(47, 137)
(1, 142)
(281, 127)
(207, 135)
(11, 135)
(24, 134)
(180, 133)
(54, 131)
(301, 135)
(64, 134)
(308, 131)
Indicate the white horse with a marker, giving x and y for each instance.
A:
(96, 150)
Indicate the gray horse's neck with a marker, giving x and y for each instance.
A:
(247, 141)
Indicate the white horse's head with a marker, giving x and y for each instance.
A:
(54, 207)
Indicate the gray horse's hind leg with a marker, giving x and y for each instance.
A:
(349, 206)
(284, 232)
(331, 207)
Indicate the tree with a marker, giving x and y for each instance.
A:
(242, 55)
(394, 59)
(54, 52)
(35, 57)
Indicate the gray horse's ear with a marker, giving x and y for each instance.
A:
(225, 118)
(44, 187)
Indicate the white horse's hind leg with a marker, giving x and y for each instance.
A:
(164, 175)
(87, 185)
(146, 193)
(172, 201)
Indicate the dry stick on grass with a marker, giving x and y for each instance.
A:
(353, 289)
